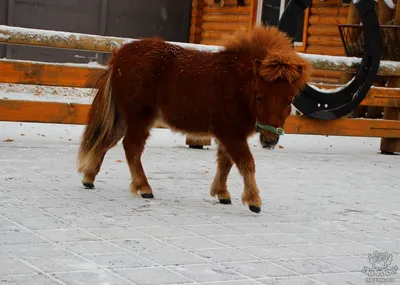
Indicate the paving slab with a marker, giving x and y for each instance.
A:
(328, 203)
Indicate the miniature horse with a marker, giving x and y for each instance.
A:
(246, 87)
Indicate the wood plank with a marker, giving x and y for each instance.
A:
(85, 76)
(343, 127)
(226, 10)
(329, 10)
(390, 145)
(63, 113)
(30, 72)
(222, 26)
(226, 18)
(253, 13)
(326, 20)
(43, 112)
(197, 142)
(377, 96)
(325, 40)
(323, 30)
(325, 50)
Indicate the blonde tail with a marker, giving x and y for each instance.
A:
(103, 128)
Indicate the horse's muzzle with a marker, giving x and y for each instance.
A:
(268, 141)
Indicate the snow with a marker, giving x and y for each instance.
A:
(46, 93)
(333, 90)
(390, 4)
(67, 64)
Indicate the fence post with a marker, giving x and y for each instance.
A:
(392, 145)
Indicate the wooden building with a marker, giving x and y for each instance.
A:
(318, 31)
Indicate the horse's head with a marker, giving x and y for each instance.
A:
(279, 78)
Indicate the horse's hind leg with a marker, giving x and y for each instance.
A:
(94, 169)
(240, 154)
(133, 143)
(219, 186)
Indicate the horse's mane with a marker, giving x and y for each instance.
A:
(274, 54)
(260, 41)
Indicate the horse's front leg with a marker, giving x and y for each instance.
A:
(219, 186)
(133, 143)
(240, 154)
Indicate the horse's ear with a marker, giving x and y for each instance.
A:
(277, 67)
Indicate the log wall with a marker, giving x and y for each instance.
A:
(322, 34)
(211, 24)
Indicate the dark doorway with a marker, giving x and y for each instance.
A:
(270, 16)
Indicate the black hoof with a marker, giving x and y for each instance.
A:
(148, 195)
(88, 185)
(255, 209)
(225, 201)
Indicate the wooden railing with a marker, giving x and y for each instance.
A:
(85, 75)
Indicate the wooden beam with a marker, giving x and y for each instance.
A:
(63, 113)
(343, 127)
(66, 40)
(391, 145)
(85, 76)
(377, 96)
(82, 75)
(253, 13)
(66, 75)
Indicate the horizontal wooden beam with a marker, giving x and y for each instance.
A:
(343, 127)
(63, 113)
(85, 76)
(50, 74)
(377, 96)
(89, 42)
(73, 41)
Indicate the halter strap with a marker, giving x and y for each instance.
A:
(278, 131)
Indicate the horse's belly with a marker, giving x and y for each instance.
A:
(187, 123)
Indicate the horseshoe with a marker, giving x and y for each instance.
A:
(334, 104)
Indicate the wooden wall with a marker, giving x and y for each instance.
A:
(211, 24)
(322, 34)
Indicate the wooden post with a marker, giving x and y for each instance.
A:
(392, 145)
(352, 18)
(385, 14)
(197, 142)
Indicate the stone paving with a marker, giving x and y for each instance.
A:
(328, 202)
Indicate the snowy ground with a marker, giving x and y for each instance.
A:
(328, 202)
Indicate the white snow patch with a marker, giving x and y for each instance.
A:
(67, 64)
(46, 93)
(390, 4)
(333, 90)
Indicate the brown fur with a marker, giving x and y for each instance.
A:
(222, 94)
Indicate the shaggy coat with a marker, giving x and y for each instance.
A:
(254, 78)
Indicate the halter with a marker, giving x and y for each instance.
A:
(278, 131)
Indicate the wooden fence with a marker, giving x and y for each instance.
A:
(85, 75)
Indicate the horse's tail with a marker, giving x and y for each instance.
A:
(104, 125)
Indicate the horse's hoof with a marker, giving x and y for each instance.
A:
(148, 195)
(225, 201)
(88, 185)
(255, 209)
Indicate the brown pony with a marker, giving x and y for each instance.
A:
(247, 86)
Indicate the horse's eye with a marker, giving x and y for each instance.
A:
(259, 99)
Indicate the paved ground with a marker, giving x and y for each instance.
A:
(328, 203)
